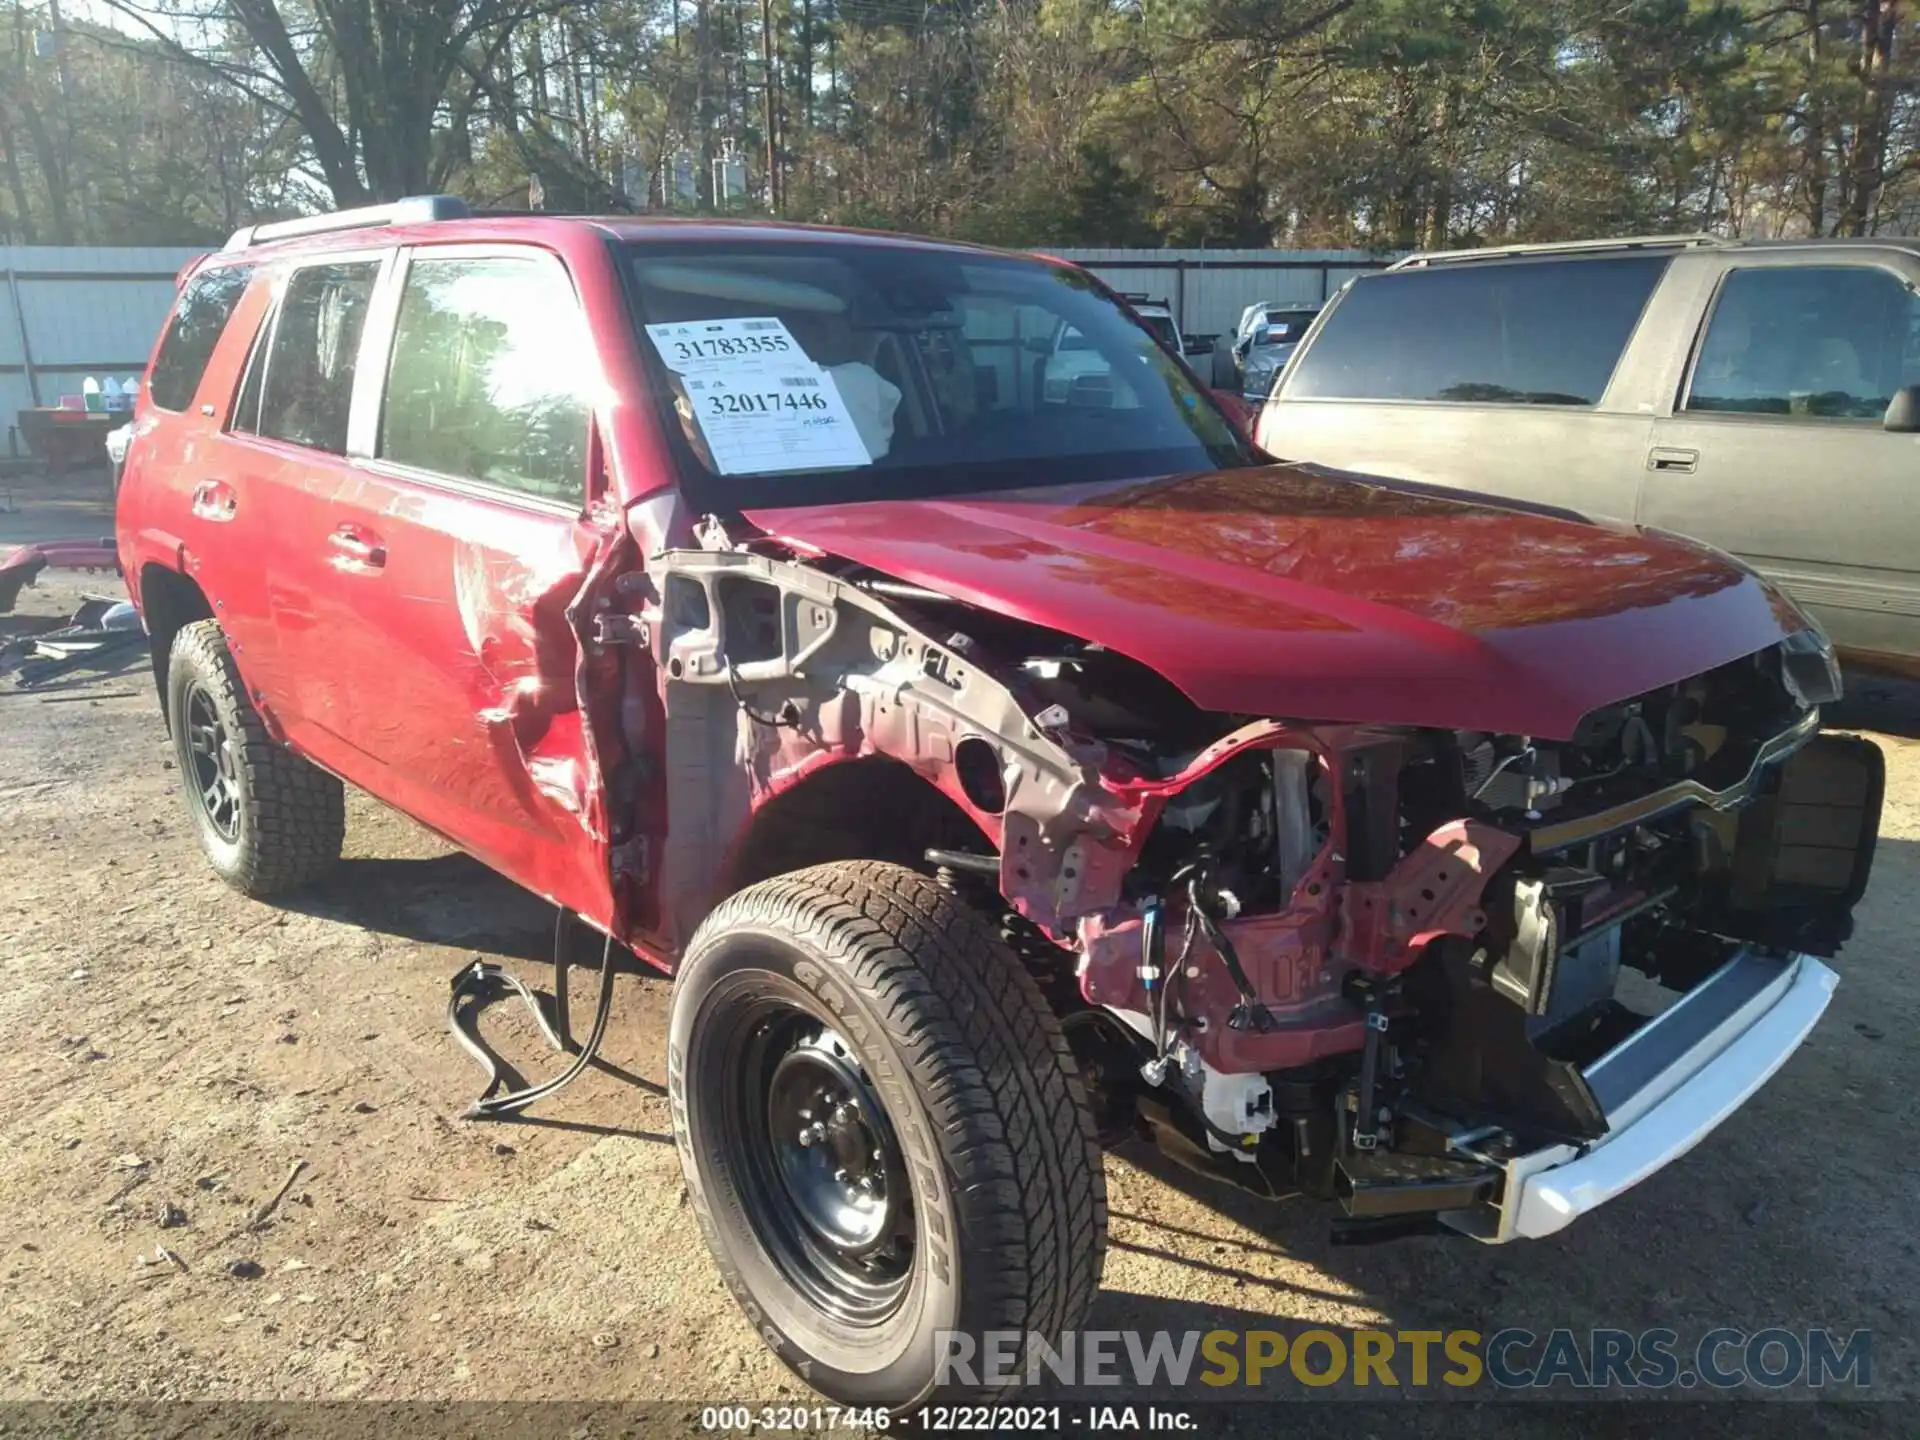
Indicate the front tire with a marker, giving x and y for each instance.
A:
(883, 1130)
(268, 820)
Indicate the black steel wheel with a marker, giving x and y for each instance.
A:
(267, 820)
(213, 788)
(821, 1167)
(882, 1129)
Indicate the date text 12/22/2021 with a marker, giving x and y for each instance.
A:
(948, 1419)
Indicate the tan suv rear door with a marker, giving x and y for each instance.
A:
(1773, 447)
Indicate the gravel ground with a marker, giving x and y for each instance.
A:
(171, 1053)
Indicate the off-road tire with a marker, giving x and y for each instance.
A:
(980, 1087)
(291, 818)
(1225, 366)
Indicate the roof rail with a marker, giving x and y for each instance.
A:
(1564, 247)
(414, 210)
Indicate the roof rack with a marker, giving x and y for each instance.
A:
(414, 210)
(1564, 247)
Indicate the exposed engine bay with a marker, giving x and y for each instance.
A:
(1365, 962)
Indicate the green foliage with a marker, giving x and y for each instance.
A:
(104, 140)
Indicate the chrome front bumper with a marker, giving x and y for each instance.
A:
(1664, 1089)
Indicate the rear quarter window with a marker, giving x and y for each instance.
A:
(1480, 333)
(199, 316)
(300, 386)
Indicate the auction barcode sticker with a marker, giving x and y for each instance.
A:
(693, 347)
(759, 421)
(761, 403)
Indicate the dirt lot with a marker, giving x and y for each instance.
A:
(169, 1051)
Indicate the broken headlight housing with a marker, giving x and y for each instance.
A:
(1809, 668)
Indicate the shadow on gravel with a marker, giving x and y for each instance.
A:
(1889, 704)
(450, 900)
(455, 901)
(1296, 1226)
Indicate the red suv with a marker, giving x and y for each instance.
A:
(998, 765)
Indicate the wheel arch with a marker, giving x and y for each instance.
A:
(870, 807)
(169, 602)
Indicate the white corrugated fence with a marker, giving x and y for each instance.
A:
(67, 312)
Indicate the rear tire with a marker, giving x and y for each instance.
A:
(268, 820)
(1226, 366)
(971, 1195)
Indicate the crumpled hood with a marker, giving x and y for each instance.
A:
(1292, 591)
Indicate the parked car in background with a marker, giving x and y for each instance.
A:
(1268, 348)
(1758, 395)
(1000, 757)
(1157, 316)
(1261, 350)
(1226, 350)
(1251, 316)
(1074, 365)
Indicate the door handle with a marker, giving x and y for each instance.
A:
(215, 500)
(357, 549)
(1670, 461)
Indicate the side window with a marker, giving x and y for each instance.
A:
(486, 381)
(1480, 332)
(205, 305)
(1816, 342)
(300, 385)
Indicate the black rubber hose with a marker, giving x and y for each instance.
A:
(517, 1100)
(475, 981)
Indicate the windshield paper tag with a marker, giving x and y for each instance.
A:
(762, 405)
(694, 347)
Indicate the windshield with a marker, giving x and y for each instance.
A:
(806, 373)
(1283, 327)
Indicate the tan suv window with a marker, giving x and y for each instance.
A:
(1518, 332)
(1819, 342)
(486, 378)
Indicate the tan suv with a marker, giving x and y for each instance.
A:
(1758, 395)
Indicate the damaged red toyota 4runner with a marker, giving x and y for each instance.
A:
(894, 643)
